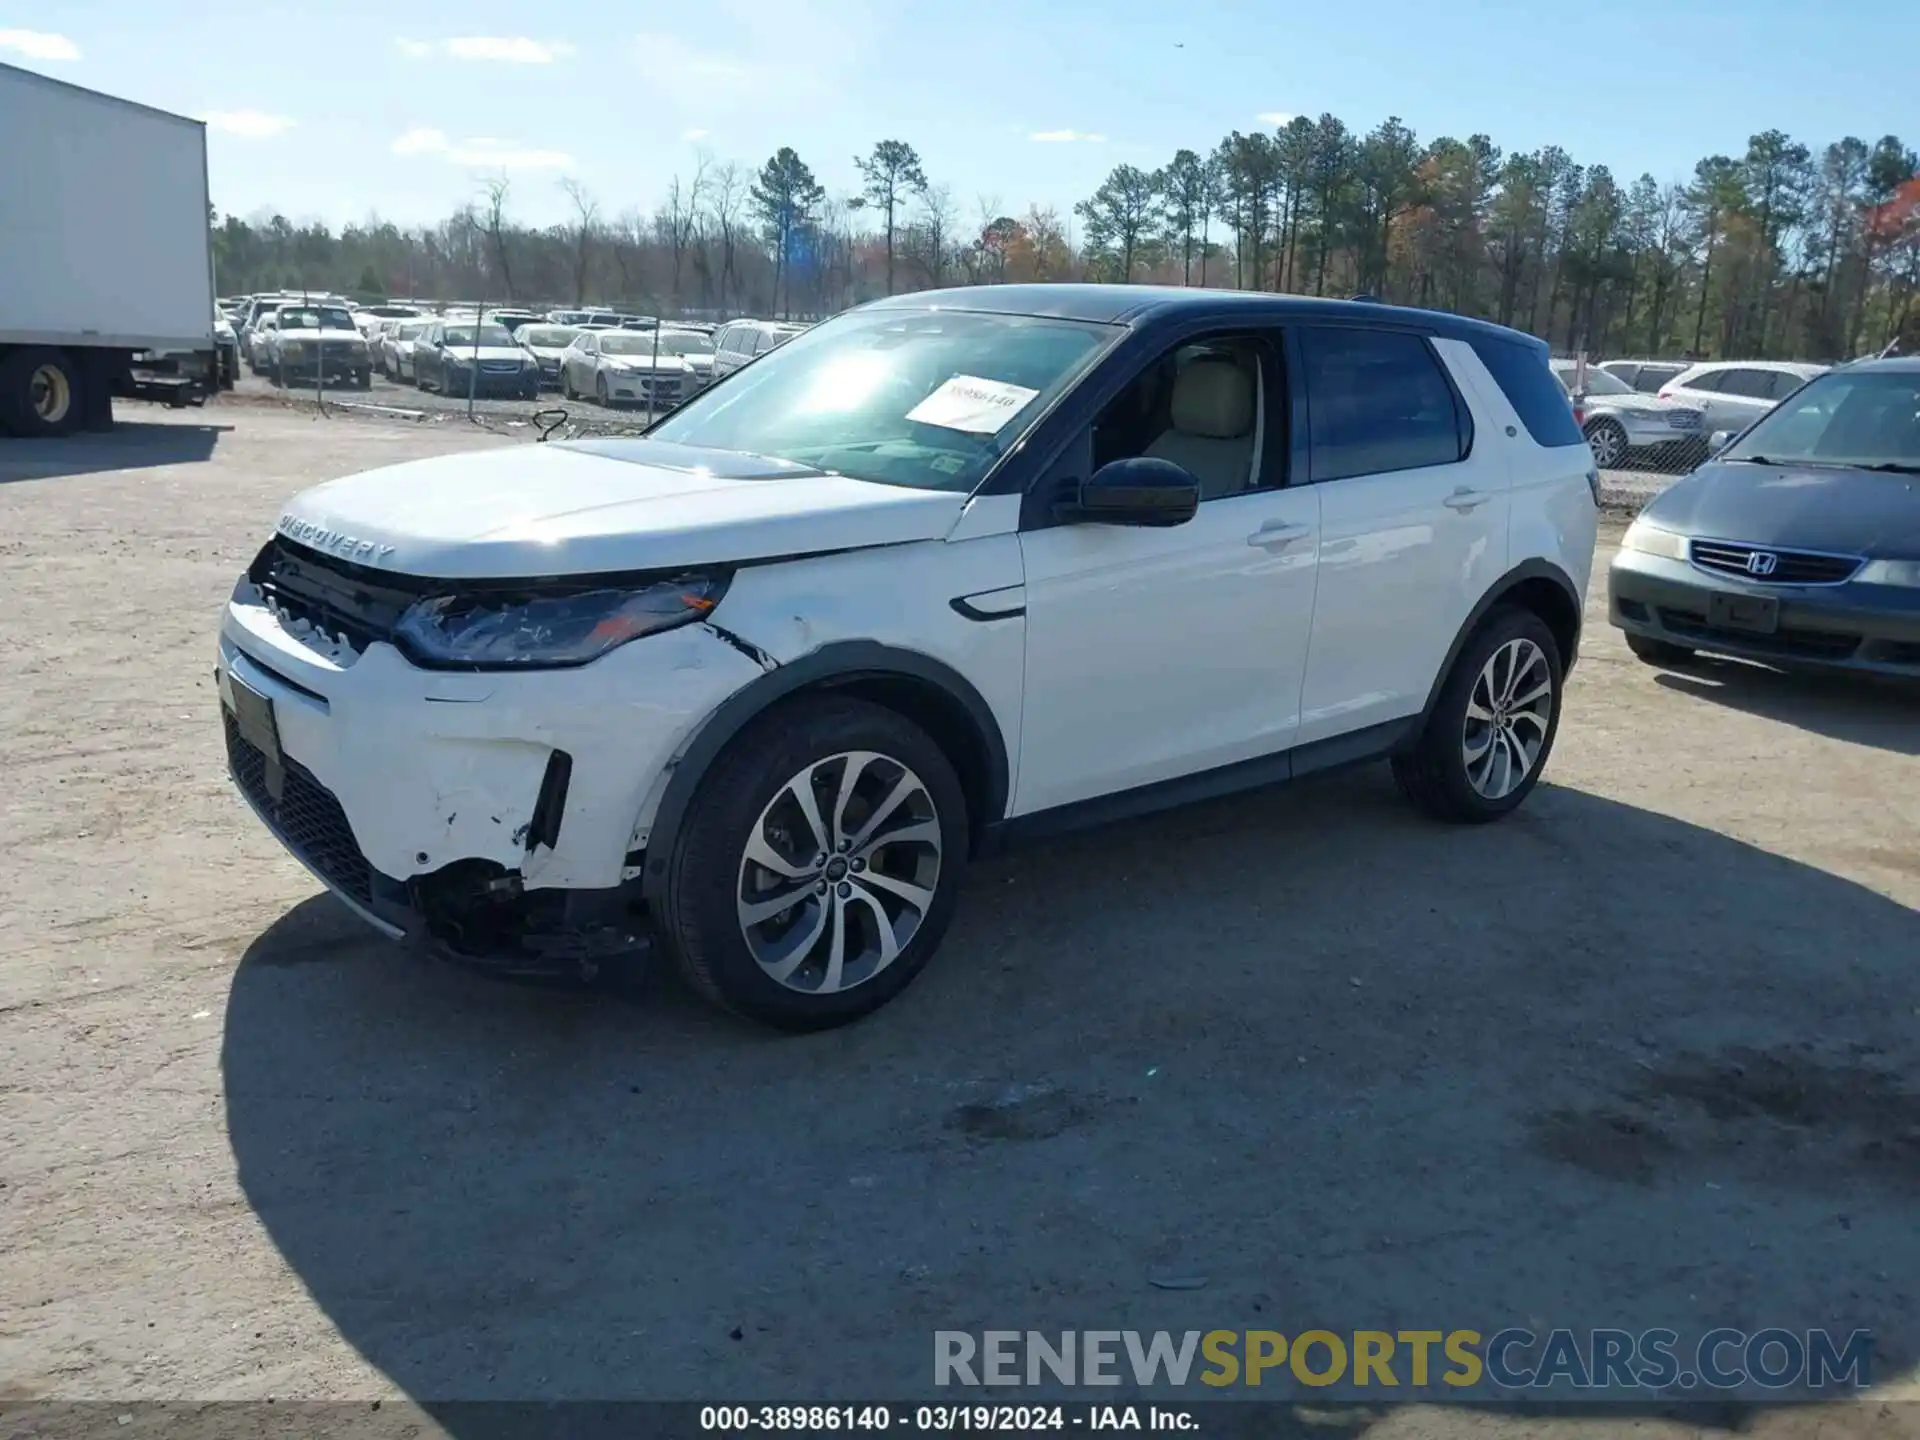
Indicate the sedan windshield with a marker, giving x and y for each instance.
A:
(928, 399)
(314, 317)
(1863, 418)
(490, 335)
(1599, 382)
(684, 342)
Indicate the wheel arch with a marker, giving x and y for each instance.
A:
(927, 691)
(1536, 585)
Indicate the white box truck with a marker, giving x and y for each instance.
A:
(105, 256)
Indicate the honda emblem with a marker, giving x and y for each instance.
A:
(1762, 562)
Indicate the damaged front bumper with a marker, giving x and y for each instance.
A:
(493, 816)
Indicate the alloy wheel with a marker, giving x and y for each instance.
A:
(839, 872)
(1608, 443)
(1509, 712)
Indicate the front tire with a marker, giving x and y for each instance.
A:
(1492, 728)
(600, 394)
(819, 865)
(1608, 441)
(1657, 652)
(42, 393)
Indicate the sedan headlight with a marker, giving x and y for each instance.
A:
(1652, 540)
(500, 632)
(1904, 573)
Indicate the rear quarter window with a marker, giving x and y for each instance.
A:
(1534, 391)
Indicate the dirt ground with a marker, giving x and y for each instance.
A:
(1646, 1054)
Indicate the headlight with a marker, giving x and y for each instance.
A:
(1652, 540)
(291, 347)
(535, 631)
(1904, 573)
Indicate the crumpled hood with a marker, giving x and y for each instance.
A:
(601, 506)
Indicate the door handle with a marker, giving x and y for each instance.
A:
(1277, 535)
(1464, 500)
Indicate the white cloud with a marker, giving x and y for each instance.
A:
(254, 124)
(1067, 137)
(1274, 117)
(39, 45)
(691, 135)
(509, 49)
(480, 152)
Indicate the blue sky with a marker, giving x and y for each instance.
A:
(339, 109)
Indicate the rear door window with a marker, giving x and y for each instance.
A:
(1537, 395)
(1378, 401)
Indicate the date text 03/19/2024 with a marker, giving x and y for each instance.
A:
(942, 1419)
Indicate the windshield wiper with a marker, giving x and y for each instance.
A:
(1894, 467)
(1749, 460)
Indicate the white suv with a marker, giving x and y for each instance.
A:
(945, 571)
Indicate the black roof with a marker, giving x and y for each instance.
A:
(1130, 304)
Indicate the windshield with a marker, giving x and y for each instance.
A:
(495, 336)
(314, 317)
(1599, 382)
(1852, 418)
(549, 337)
(929, 400)
(627, 342)
(683, 343)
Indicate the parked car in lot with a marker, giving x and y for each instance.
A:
(1619, 421)
(316, 343)
(368, 317)
(226, 347)
(738, 341)
(512, 321)
(950, 569)
(461, 359)
(1798, 544)
(692, 347)
(620, 367)
(1646, 376)
(395, 356)
(1732, 395)
(548, 344)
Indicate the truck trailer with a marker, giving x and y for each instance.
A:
(106, 262)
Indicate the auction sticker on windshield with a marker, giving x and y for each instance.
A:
(969, 403)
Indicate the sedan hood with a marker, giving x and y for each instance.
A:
(601, 506)
(323, 337)
(1849, 512)
(462, 354)
(1637, 404)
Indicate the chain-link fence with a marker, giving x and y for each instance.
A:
(1634, 416)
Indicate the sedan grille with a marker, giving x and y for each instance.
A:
(1684, 419)
(1766, 566)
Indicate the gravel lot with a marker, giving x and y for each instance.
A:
(1640, 1056)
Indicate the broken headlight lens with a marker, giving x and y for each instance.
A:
(501, 632)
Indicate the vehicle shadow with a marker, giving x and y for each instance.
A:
(1326, 1064)
(129, 445)
(1857, 709)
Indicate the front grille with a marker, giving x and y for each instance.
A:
(1786, 642)
(334, 596)
(1684, 419)
(1788, 567)
(500, 367)
(308, 820)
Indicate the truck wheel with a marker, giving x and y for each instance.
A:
(41, 393)
(364, 380)
(819, 865)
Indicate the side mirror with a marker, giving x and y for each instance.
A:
(1718, 441)
(1140, 491)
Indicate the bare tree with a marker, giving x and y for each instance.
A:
(727, 208)
(681, 215)
(937, 219)
(495, 225)
(581, 234)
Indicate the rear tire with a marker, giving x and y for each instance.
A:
(1658, 652)
(854, 760)
(600, 391)
(42, 393)
(1608, 441)
(1492, 728)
